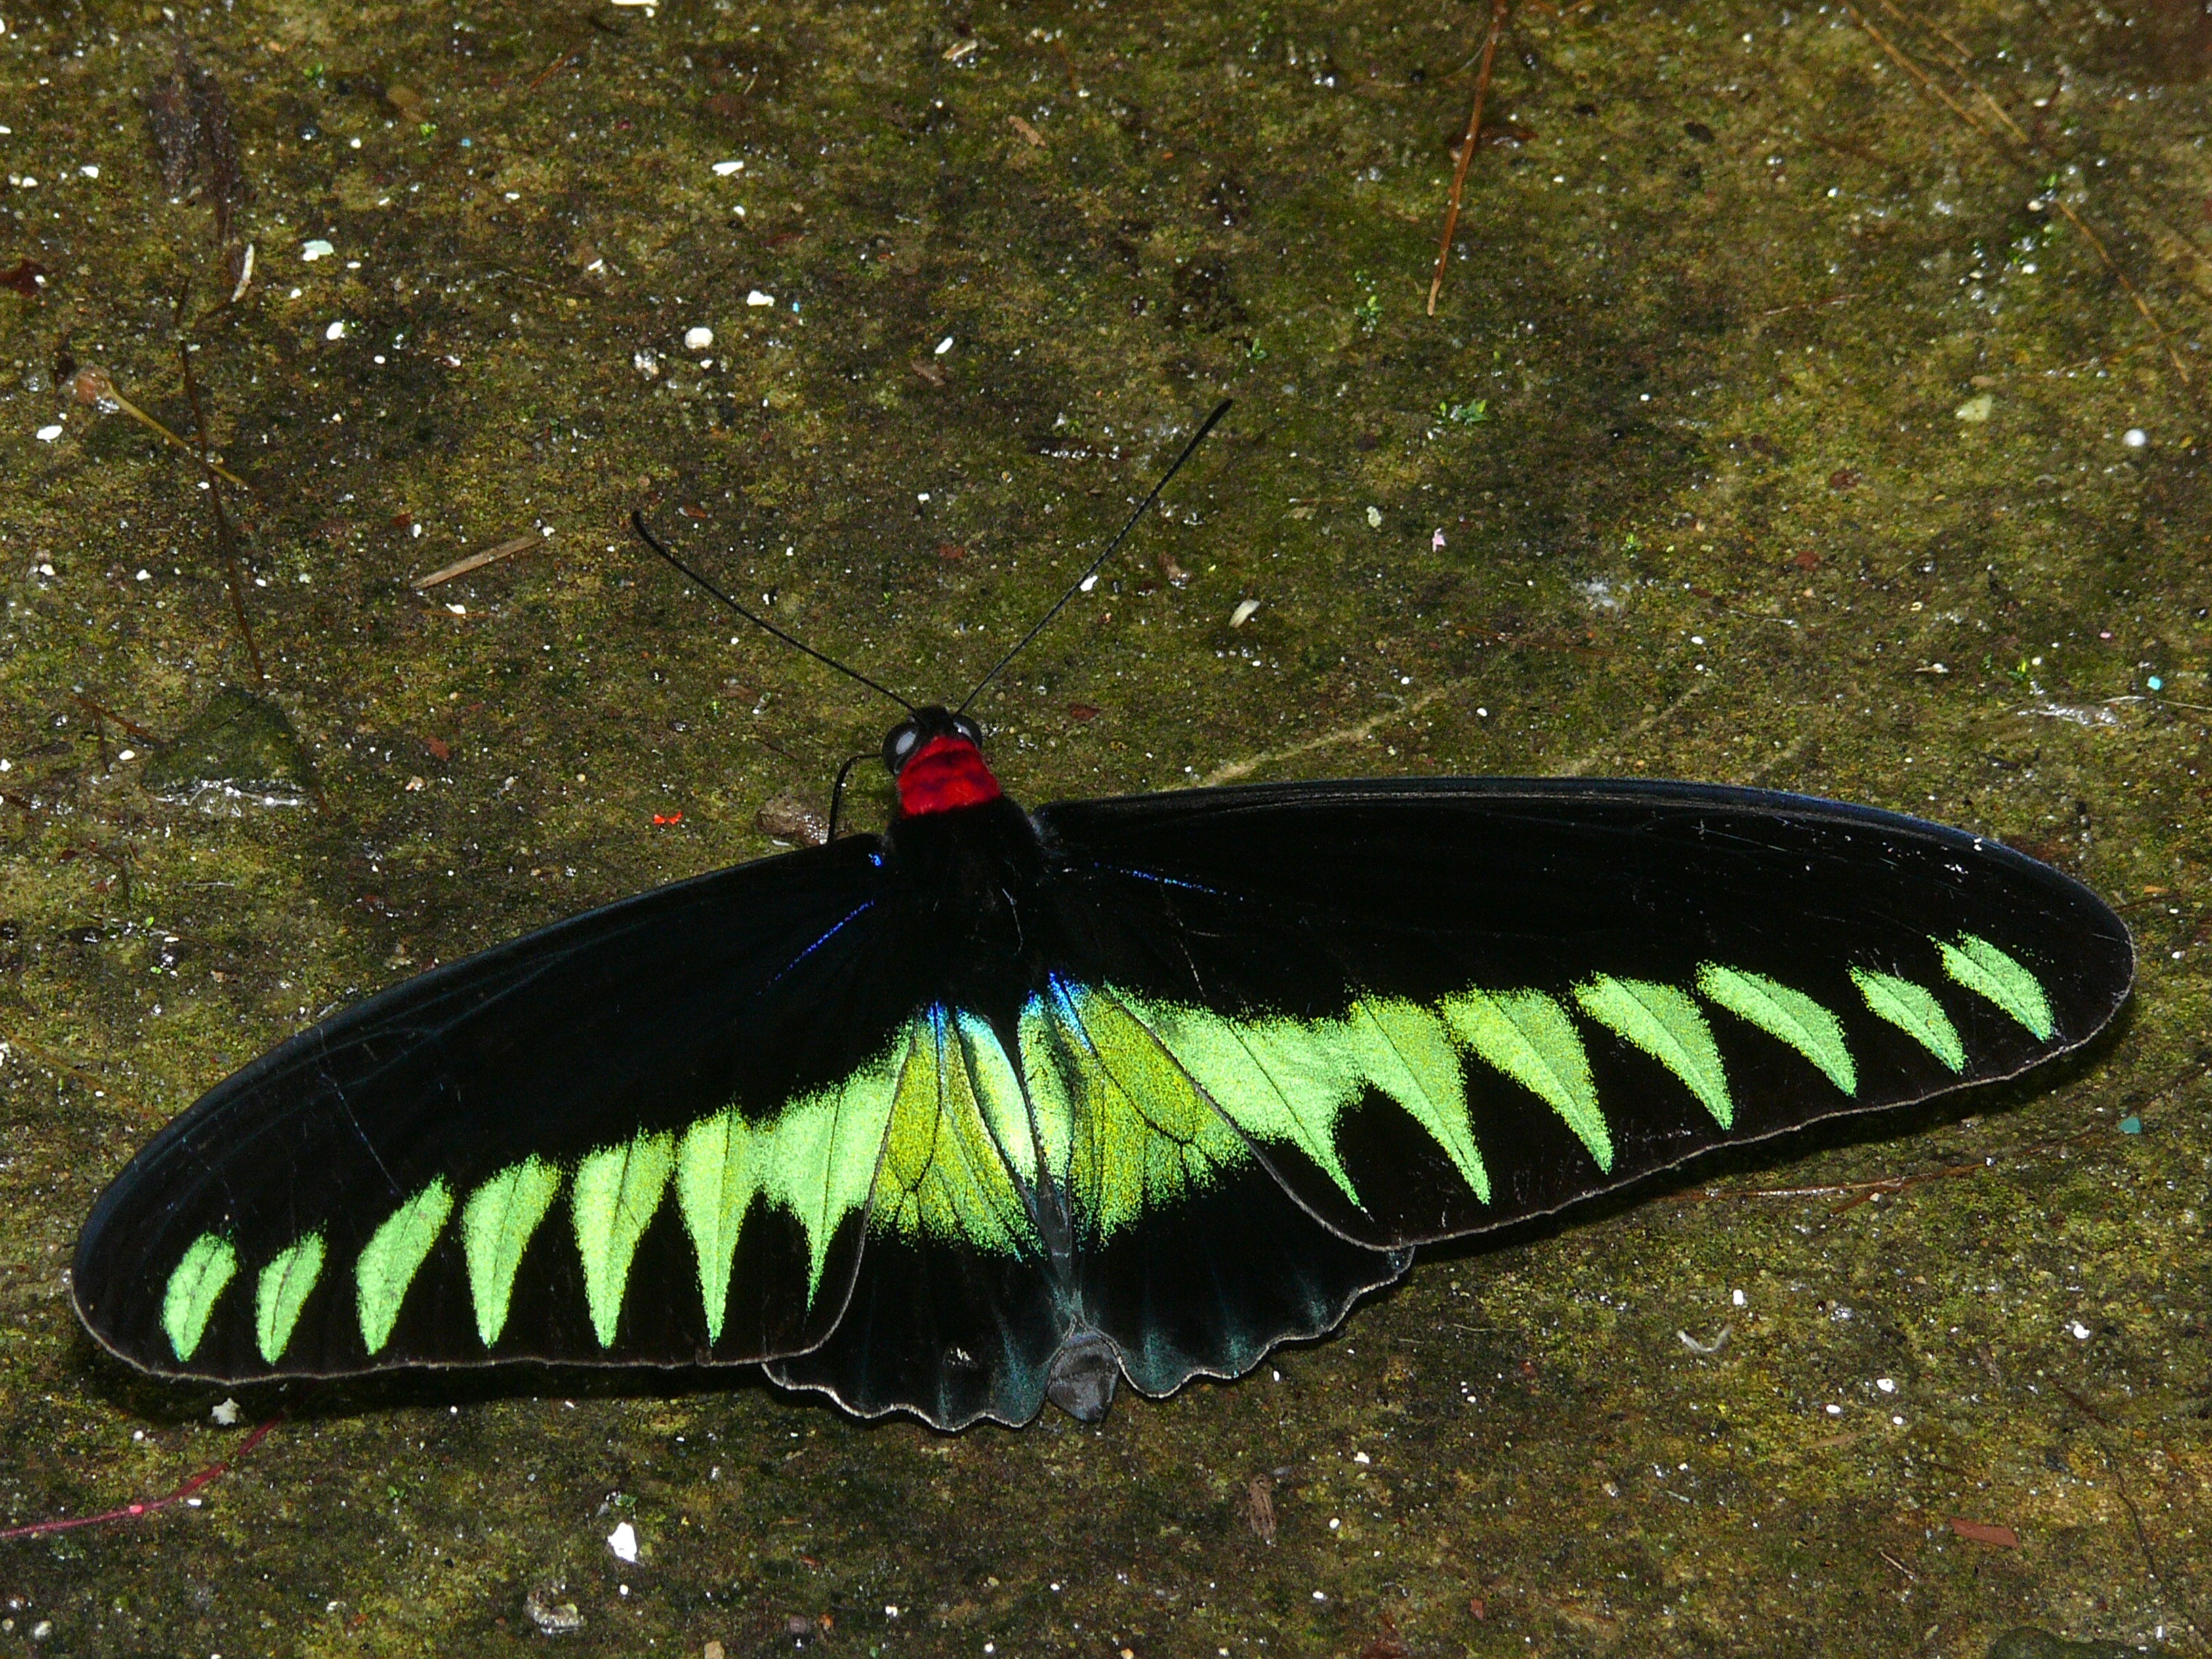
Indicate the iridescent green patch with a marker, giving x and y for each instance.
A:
(393, 1255)
(943, 1175)
(205, 1268)
(1142, 1135)
(1983, 969)
(1529, 1036)
(1787, 1015)
(815, 1160)
(1914, 1011)
(282, 1293)
(1666, 1024)
(497, 1225)
(616, 1193)
(1289, 1082)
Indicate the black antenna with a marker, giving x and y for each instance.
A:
(1092, 570)
(637, 523)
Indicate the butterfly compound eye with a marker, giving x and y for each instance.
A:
(899, 746)
(968, 729)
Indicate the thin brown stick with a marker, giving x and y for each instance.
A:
(476, 562)
(127, 723)
(556, 67)
(95, 386)
(213, 1472)
(226, 536)
(1498, 11)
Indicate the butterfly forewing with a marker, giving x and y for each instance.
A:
(1435, 1007)
(643, 1136)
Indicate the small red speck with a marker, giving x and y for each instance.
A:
(668, 818)
(1842, 479)
(694, 513)
(1082, 711)
(951, 550)
(439, 750)
(1983, 1532)
(1808, 560)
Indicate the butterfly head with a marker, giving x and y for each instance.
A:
(936, 757)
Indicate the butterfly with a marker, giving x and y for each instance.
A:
(1000, 1106)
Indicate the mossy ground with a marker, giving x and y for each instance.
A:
(1766, 433)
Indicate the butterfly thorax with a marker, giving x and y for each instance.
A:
(971, 874)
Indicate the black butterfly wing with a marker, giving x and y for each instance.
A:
(1427, 1009)
(646, 1135)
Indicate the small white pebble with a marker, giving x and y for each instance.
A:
(622, 1541)
(757, 298)
(1887, 1385)
(2082, 1333)
(1736, 1297)
(47, 435)
(224, 1415)
(1374, 518)
(2135, 437)
(126, 754)
(1245, 610)
(314, 248)
(698, 339)
(943, 346)
(336, 330)
(90, 170)
(723, 169)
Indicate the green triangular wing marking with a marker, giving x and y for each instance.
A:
(1529, 1036)
(1269, 1077)
(942, 1176)
(1914, 1011)
(283, 1292)
(717, 1173)
(1785, 1015)
(497, 1224)
(206, 1267)
(393, 1255)
(817, 1159)
(1404, 1051)
(616, 1190)
(1667, 1025)
(1983, 969)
